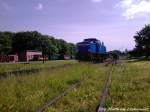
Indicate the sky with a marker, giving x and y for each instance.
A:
(114, 22)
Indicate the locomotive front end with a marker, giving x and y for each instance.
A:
(83, 51)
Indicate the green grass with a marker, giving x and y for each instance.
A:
(86, 97)
(130, 87)
(33, 65)
(28, 93)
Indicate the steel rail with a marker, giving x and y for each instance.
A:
(105, 91)
(55, 99)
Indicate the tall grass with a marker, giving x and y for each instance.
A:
(86, 97)
(28, 93)
(33, 65)
(130, 87)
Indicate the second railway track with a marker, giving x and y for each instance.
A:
(29, 71)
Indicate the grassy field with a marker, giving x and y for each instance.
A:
(86, 97)
(33, 65)
(28, 93)
(130, 87)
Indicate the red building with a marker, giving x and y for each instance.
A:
(29, 55)
(9, 58)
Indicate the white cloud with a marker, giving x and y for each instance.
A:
(96, 0)
(135, 8)
(39, 6)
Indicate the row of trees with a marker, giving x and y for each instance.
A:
(142, 40)
(32, 40)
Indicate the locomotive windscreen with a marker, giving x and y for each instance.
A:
(83, 47)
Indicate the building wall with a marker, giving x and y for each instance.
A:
(29, 55)
(9, 58)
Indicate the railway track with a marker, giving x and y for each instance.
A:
(100, 107)
(29, 71)
(102, 98)
(53, 101)
(105, 93)
(58, 97)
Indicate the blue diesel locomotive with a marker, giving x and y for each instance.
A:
(90, 49)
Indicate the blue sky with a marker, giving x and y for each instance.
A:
(113, 21)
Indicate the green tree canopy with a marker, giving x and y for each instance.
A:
(142, 39)
(5, 42)
(33, 40)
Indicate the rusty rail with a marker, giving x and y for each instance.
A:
(105, 92)
(53, 101)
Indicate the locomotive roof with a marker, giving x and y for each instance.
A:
(90, 39)
(83, 42)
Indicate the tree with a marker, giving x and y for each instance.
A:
(142, 39)
(5, 42)
(33, 40)
(71, 49)
(62, 46)
(22, 41)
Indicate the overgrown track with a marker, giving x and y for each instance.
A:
(100, 107)
(29, 71)
(102, 98)
(57, 98)
(53, 101)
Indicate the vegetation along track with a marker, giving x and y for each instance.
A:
(85, 97)
(55, 99)
(66, 91)
(102, 99)
(29, 92)
(104, 95)
(130, 86)
(30, 71)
